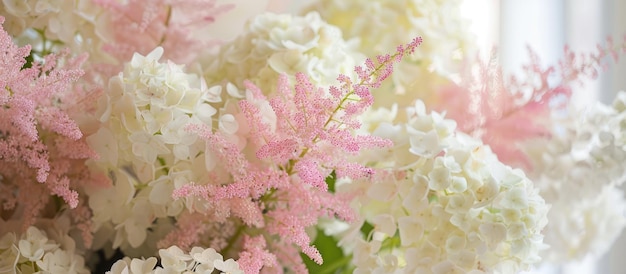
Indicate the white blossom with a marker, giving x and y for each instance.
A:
(274, 44)
(174, 260)
(34, 251)
(144, 146)
(391, 23)
(579, 170)
(455, 209)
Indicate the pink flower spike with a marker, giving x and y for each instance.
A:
(58, 121)
(498, 110)
(255, 255)
(190, 190)
(141, 26)
(42, 152)
(279, 151)
(308, 171)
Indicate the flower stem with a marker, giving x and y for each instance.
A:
(233, 240)
(166, 23)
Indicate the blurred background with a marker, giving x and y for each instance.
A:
(547, 26)
(512, 25)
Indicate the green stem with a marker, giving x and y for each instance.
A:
(331, 268)
(233, 240)
(163, 165)
(167, 23)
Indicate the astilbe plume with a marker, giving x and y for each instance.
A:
(41, 147)
(277, 183)
(503, 111)
(140, 26)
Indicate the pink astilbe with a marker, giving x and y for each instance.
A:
(503, 112)
(40, 145)
(186, 233)
(255, 255)
(276, 186)
(140, 26)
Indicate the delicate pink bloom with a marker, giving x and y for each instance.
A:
(506, 111)
(41, 148)
(175, 25)
(277, 183)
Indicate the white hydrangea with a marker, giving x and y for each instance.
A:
(273, 44)
(33, 251)
(579, 170)
(446, 205)
(175, 260)
(144, 145)
(382, 25)
(68, 22)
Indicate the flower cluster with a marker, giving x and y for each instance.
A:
(258, 168)
(144, 146)
(34, 252)
(274, 44)
(576, 161)
(580, 169)
(128, 129)
(291, 134)
(59, 21)
(137, 26)
(42, 150)
(174, 260)
(389, 23)
(446, 205)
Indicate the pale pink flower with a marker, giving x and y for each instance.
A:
(296, 139)
(176, 25)
(504, 112)
(42, 152)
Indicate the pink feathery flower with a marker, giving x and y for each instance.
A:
(187, 231)
(503, 113)
(140, 26)
(41, 148)
(277, 183)
(255, 255)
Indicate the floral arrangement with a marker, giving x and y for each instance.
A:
(135, 140)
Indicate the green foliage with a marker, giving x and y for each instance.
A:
(29, 61)
(366, 229)
(330, 181)
(335, 261)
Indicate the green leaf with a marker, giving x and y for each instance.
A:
(366, 229)
(29, 61)
(334, 259)
(330, 181)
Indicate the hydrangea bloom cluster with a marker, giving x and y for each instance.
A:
(58, 21)
(143, 144)
(175, 260)
(34, 252)
(446, 205)
(522, 120)
(389, 23)
(274, 44)
(579, 170)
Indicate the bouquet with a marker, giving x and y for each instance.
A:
(133, 139)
